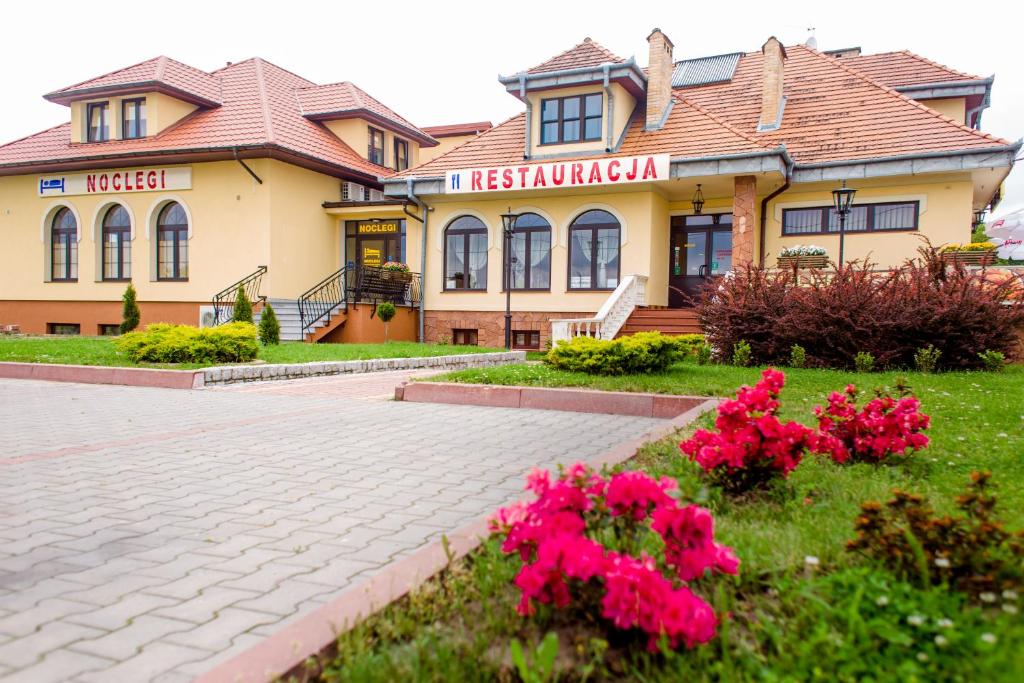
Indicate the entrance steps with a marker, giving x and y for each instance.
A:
(287, 312)
(659, 319)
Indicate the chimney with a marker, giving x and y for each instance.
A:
(772, 81)
(659, 78)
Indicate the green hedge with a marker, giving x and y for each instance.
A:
(164, 343)
(639, 353)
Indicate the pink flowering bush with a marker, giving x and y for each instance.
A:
(882, 428)
(584, 540)
(751, 447)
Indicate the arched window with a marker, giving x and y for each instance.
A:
(172, 243)
(117, 244)
(465, 254)
(594, 251)
(531, 253)
(64, 246)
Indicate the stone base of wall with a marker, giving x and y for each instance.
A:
(490, 325)
(32, 317)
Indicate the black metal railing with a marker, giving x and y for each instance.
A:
(224, 300)
(357, 284)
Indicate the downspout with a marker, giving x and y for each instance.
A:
(764, 213)
(611, 104)
(246, 167)
(425, 210)
(529, 113)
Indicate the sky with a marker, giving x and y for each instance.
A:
(438, 62)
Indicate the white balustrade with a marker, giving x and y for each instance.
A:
(630, 293)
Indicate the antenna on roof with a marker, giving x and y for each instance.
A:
(811, 41)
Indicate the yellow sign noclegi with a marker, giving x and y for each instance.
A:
(377, 227)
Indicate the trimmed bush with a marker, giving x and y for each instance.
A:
(704, 354)
(270, 328)
(892, 314)
(243, 307)
(130, 313)
(165, 343)
(386, 312)
(639, 353)
(689, 344)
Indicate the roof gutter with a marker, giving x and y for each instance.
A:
(944, 154)
(524, 76)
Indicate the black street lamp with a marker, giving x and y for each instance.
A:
(843, 198)
(508, 223)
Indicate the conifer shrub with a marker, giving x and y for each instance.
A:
(164, 343)
(270, 328)
(386, 312)
(889, 314)
(130, 313)
(243, 307)
(864, 361)
(639, 353)
(797, 356)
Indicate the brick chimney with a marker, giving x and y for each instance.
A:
(659, 77)
(772, 82)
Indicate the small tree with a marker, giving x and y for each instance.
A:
(243, 307)
(130, 312)
(270, 329)
(386, 311)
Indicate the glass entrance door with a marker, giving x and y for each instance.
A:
(700, 249)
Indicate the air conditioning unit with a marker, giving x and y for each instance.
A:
(352, 192)
(207, 316)
(376, 195)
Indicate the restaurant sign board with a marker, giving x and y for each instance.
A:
(559, 174)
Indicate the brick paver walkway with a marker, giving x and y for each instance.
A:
(148, 534)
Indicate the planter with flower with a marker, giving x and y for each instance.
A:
(396, 272)
(972, 254)
(803, 256)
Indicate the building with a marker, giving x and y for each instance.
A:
(632, 188)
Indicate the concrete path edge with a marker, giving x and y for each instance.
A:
(284, 654)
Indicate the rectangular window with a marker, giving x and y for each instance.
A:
(109, 329)
(97, 126)
(880, 217)
(133, 118)
(401, 155)
(571, 119)
(526, 339)
(464, 337)
(376, 150)
(63, 328)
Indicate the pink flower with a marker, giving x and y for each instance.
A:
(884, 427)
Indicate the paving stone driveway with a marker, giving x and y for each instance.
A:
(148, 534)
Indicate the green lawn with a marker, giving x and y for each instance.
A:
(788, 623)
(101, 351)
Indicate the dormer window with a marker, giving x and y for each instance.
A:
(571, 119)
(376, 148)
(97, 126)
(401, 154)
(133, 118)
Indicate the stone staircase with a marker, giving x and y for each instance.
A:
(660, 319)
(287, 312)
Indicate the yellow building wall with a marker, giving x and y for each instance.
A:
(446, 145)
(636, 211)
(945, 216)
(953, 107)
(356, 134)
(162, 111)
(624, 105)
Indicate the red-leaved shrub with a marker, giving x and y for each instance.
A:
(752, 447)
(890, 314)
(882, 428)
(580, 541)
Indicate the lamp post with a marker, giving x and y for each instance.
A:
(508, 223)
(843, 198)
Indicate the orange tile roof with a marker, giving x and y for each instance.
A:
(456, 129)
(159, 73)
(345, 99)
(259, 112)
(587, 53)
(835, 113)
(903, 68)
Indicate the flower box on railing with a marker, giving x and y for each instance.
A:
(803, 261)
(970, 257)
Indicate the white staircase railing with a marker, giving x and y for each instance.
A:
(630, 293)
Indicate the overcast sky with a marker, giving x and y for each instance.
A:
(438, 62)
